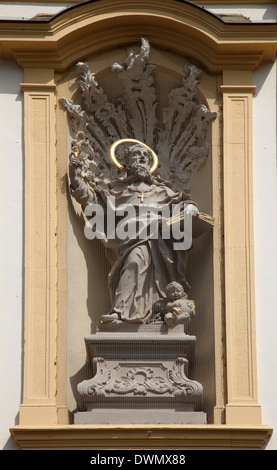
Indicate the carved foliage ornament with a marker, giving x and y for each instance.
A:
(140, 381)
(180, 140)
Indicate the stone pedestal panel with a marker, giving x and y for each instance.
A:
(140, 375)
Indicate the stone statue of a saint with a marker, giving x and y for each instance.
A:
(142, 267)
(146, 225)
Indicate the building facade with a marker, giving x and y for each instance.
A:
(42, 349)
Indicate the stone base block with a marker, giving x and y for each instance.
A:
(135, 416)
(140, 377)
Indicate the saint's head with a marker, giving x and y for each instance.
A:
(138, 160)
(138, 155)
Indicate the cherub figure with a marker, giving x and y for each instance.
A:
(176, 309)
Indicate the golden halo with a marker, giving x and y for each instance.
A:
(116, 163)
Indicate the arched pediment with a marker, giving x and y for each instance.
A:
(178, 26)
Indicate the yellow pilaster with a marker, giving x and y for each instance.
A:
(242, 404)
(39, 403)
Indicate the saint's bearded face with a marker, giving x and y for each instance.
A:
(139, 162)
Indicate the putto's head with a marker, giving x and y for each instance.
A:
(175, 291)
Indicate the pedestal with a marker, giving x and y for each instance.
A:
(139, 376)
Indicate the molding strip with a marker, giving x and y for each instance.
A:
(199, 437)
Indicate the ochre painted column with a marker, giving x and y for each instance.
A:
(39, 392)
(242, 403)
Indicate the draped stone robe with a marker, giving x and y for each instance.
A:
(140, 268)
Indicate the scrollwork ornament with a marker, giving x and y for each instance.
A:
(183, 385)
(94, 386)
(141, 381)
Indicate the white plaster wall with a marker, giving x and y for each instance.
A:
(265, 212)
(11, 217)
(18, 10)
(264, 13)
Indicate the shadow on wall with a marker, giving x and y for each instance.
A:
(11, 444)
(93, 254)
(88, 297)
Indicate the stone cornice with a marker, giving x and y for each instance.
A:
(149, 436)
(232, 2)
(90, 27)
(197, 2)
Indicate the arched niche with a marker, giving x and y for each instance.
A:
(88, 295)
(228, 53)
